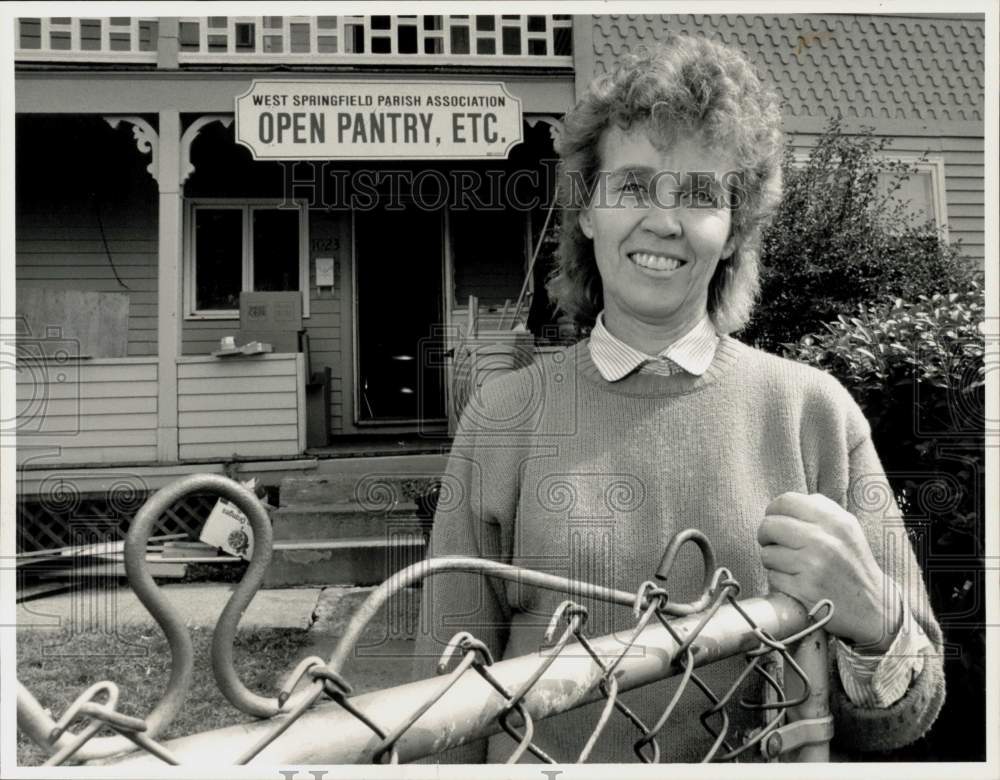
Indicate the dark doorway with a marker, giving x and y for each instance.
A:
(399, 297)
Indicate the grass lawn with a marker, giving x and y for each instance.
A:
(57, 666)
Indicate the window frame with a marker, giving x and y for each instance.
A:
(247, 207)
(923, 163)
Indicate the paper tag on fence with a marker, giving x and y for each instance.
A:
(228, 529)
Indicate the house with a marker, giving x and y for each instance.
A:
(158, 179)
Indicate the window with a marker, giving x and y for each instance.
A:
(234, 246)
(924, 191)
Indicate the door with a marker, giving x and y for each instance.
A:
(399, 300)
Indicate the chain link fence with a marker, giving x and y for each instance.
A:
(426, 717)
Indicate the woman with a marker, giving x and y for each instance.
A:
(586, 464)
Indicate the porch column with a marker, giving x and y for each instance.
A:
(170, 264)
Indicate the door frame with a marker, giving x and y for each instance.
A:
(399, 426)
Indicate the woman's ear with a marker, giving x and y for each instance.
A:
(728, 248)
(586, 223)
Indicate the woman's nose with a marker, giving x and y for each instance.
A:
(663, 218)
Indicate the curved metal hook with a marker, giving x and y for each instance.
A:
(468, 643)
(82, 737)
(576, 616)
(768, 643)
(170, 619)
(679, 609)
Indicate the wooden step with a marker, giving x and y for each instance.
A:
(351, 561)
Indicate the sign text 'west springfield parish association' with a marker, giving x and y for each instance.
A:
(341, 120)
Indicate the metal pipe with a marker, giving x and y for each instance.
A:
(327, 734)
(811, 656)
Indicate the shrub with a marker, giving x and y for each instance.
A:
(917, 370)
(841, 236)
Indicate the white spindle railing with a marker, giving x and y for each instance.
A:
(437, 39)
(62, 39)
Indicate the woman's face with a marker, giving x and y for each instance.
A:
(660, 223)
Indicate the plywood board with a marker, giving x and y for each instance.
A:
(80, 322)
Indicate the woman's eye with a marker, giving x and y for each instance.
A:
(701, 198)
(634, 186)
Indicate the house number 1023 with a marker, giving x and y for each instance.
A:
(325, 244)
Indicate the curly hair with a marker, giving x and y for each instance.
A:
(686, 84)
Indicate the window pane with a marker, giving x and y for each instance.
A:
(275, 249)
(407, 39)
(189, 36)
(147, 36)
(90, 34)
(300, 37)
(917, 192)
(486, 46)
(246, 35)
(563, 40)
(218, 258)
(31, 34)
(536, 24)
(459, 40)
(511, 40)
(354, 42)
(485, 23)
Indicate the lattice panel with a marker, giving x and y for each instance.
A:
(48, 523)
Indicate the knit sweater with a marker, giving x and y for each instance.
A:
(557, 470)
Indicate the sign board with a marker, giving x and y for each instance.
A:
(401, 120)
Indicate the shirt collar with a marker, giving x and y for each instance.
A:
(614, 359)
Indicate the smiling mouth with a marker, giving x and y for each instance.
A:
(654, 262)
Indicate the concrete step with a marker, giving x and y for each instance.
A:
(374, 489)
(355, 561)
(341, 521)
(396, 619)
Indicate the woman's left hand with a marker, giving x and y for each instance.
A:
(814, 549)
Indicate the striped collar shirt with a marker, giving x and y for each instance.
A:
(693, 352)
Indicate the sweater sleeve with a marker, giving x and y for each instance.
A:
(871, 729)
(466, 523)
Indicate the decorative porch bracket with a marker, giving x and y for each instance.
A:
(146, 139)
(188, 136)
(555, 125)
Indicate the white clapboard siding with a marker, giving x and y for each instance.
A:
(243, 406)
(93, 411)
(62, 247)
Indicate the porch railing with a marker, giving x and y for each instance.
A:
(460, 39)
(122, 39)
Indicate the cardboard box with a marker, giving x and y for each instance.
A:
(273, 318)
(228, 529)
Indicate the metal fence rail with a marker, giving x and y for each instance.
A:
(426, 717)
